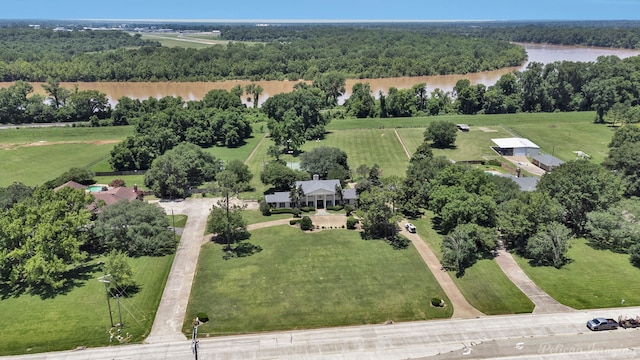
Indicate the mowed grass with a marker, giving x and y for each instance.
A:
(35, 155)
(310, 280)
(592, 279)
(484, 285)
(81, 318)
(472, 145)
(563, 138)
(67, 134)
(255, 217)
(35, 165)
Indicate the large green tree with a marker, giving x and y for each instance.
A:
(41, 239)
(332, 84)
(550, 245)
(133, 227)
(281, 177)
(321, 160)
(441, 133)
(624, 157)
(361, 103)
(581, 187)
(174, 173)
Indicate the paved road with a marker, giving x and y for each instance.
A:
(461, 307)
(534, 336)
(170, 316)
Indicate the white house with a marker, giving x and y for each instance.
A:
(516, 147)
(317, 194)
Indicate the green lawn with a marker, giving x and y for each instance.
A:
(473, 145)
(553, 138)
(592, 279)
(484, 285)
(80, 318)
(35, 165)
(255, 216)
(66, 134)
(299, 280)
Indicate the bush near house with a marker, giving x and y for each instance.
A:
(306, 223)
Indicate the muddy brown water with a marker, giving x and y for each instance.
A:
(196, 90)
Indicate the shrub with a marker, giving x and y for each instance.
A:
(437, 302)
(335, 208)
(351, 223)
(306, 223)
(635, 255)
(296, 212)
(265, 209)
(294, 221)
(307, 209)
(348, 209)
(117, 183)
(203, 317)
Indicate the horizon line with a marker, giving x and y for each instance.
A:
(309, 20)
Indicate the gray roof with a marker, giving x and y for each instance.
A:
(313, 185)
(277, 197)
(548, 160)
(349, 194)
(525, 183)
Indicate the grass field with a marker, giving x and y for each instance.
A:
(326, 278)
(592, 279)
(195, 41)
(34, 165)
(484, 285)
(255, 216)
(80, 318)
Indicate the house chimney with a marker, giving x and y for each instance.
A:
(316, 177)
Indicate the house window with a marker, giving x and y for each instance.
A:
(281, 204)
(310, 204)
(329, 203)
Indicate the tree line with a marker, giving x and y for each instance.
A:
(609, 86)
(358, 53)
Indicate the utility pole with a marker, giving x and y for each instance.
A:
(105, 281)
(119, 312)
(194, 342)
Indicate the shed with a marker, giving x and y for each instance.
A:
(546, 162)
(515, 147)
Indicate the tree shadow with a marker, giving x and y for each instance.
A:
(73, 278)
(241, 249)
(127, 291)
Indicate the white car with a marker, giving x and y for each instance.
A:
(410, 227)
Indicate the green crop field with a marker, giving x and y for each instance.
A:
(484, 285)
(310, 280)
(80, 317)
(592, 278)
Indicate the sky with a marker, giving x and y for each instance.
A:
(382, 10)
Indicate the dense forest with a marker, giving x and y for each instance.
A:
(357, 53)
(617, 34)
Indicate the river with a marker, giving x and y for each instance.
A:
(196, 90)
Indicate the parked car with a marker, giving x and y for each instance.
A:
(410, 227)
(598, 324)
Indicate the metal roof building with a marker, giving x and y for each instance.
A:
(516, 147)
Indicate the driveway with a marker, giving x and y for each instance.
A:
(461, 307)
(171, 313)
(544, 303)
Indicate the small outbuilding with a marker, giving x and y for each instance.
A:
(546, 162)
(463, 127)
(515, 147)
